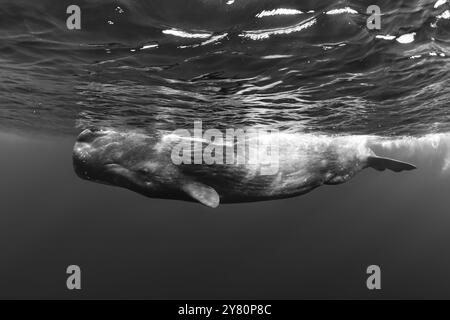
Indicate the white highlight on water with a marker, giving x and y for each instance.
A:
(440, 3)
(407, 38)
(149, 46)
(444, 15)
(211, 40)
(341, 11)
(184, 34)
(277, 56)
(386, 37)
(278, 12)
(214, 39)
(263, 88)
(266, 34)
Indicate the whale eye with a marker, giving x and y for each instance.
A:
(143, 171)
(147, 168)
(149, 184)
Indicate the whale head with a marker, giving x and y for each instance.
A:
(137, 162)
(119, 159)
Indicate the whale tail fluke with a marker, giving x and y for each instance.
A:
(382, 164)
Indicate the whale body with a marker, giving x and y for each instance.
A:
(143, 163)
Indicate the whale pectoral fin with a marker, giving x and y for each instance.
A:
(382, 164)
(202, 193)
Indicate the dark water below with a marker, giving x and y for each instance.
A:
(128, 246)
(163, 64)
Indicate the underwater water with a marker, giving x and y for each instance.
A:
(159, 64)
(128, 246)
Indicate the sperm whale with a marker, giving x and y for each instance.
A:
(144, 163)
